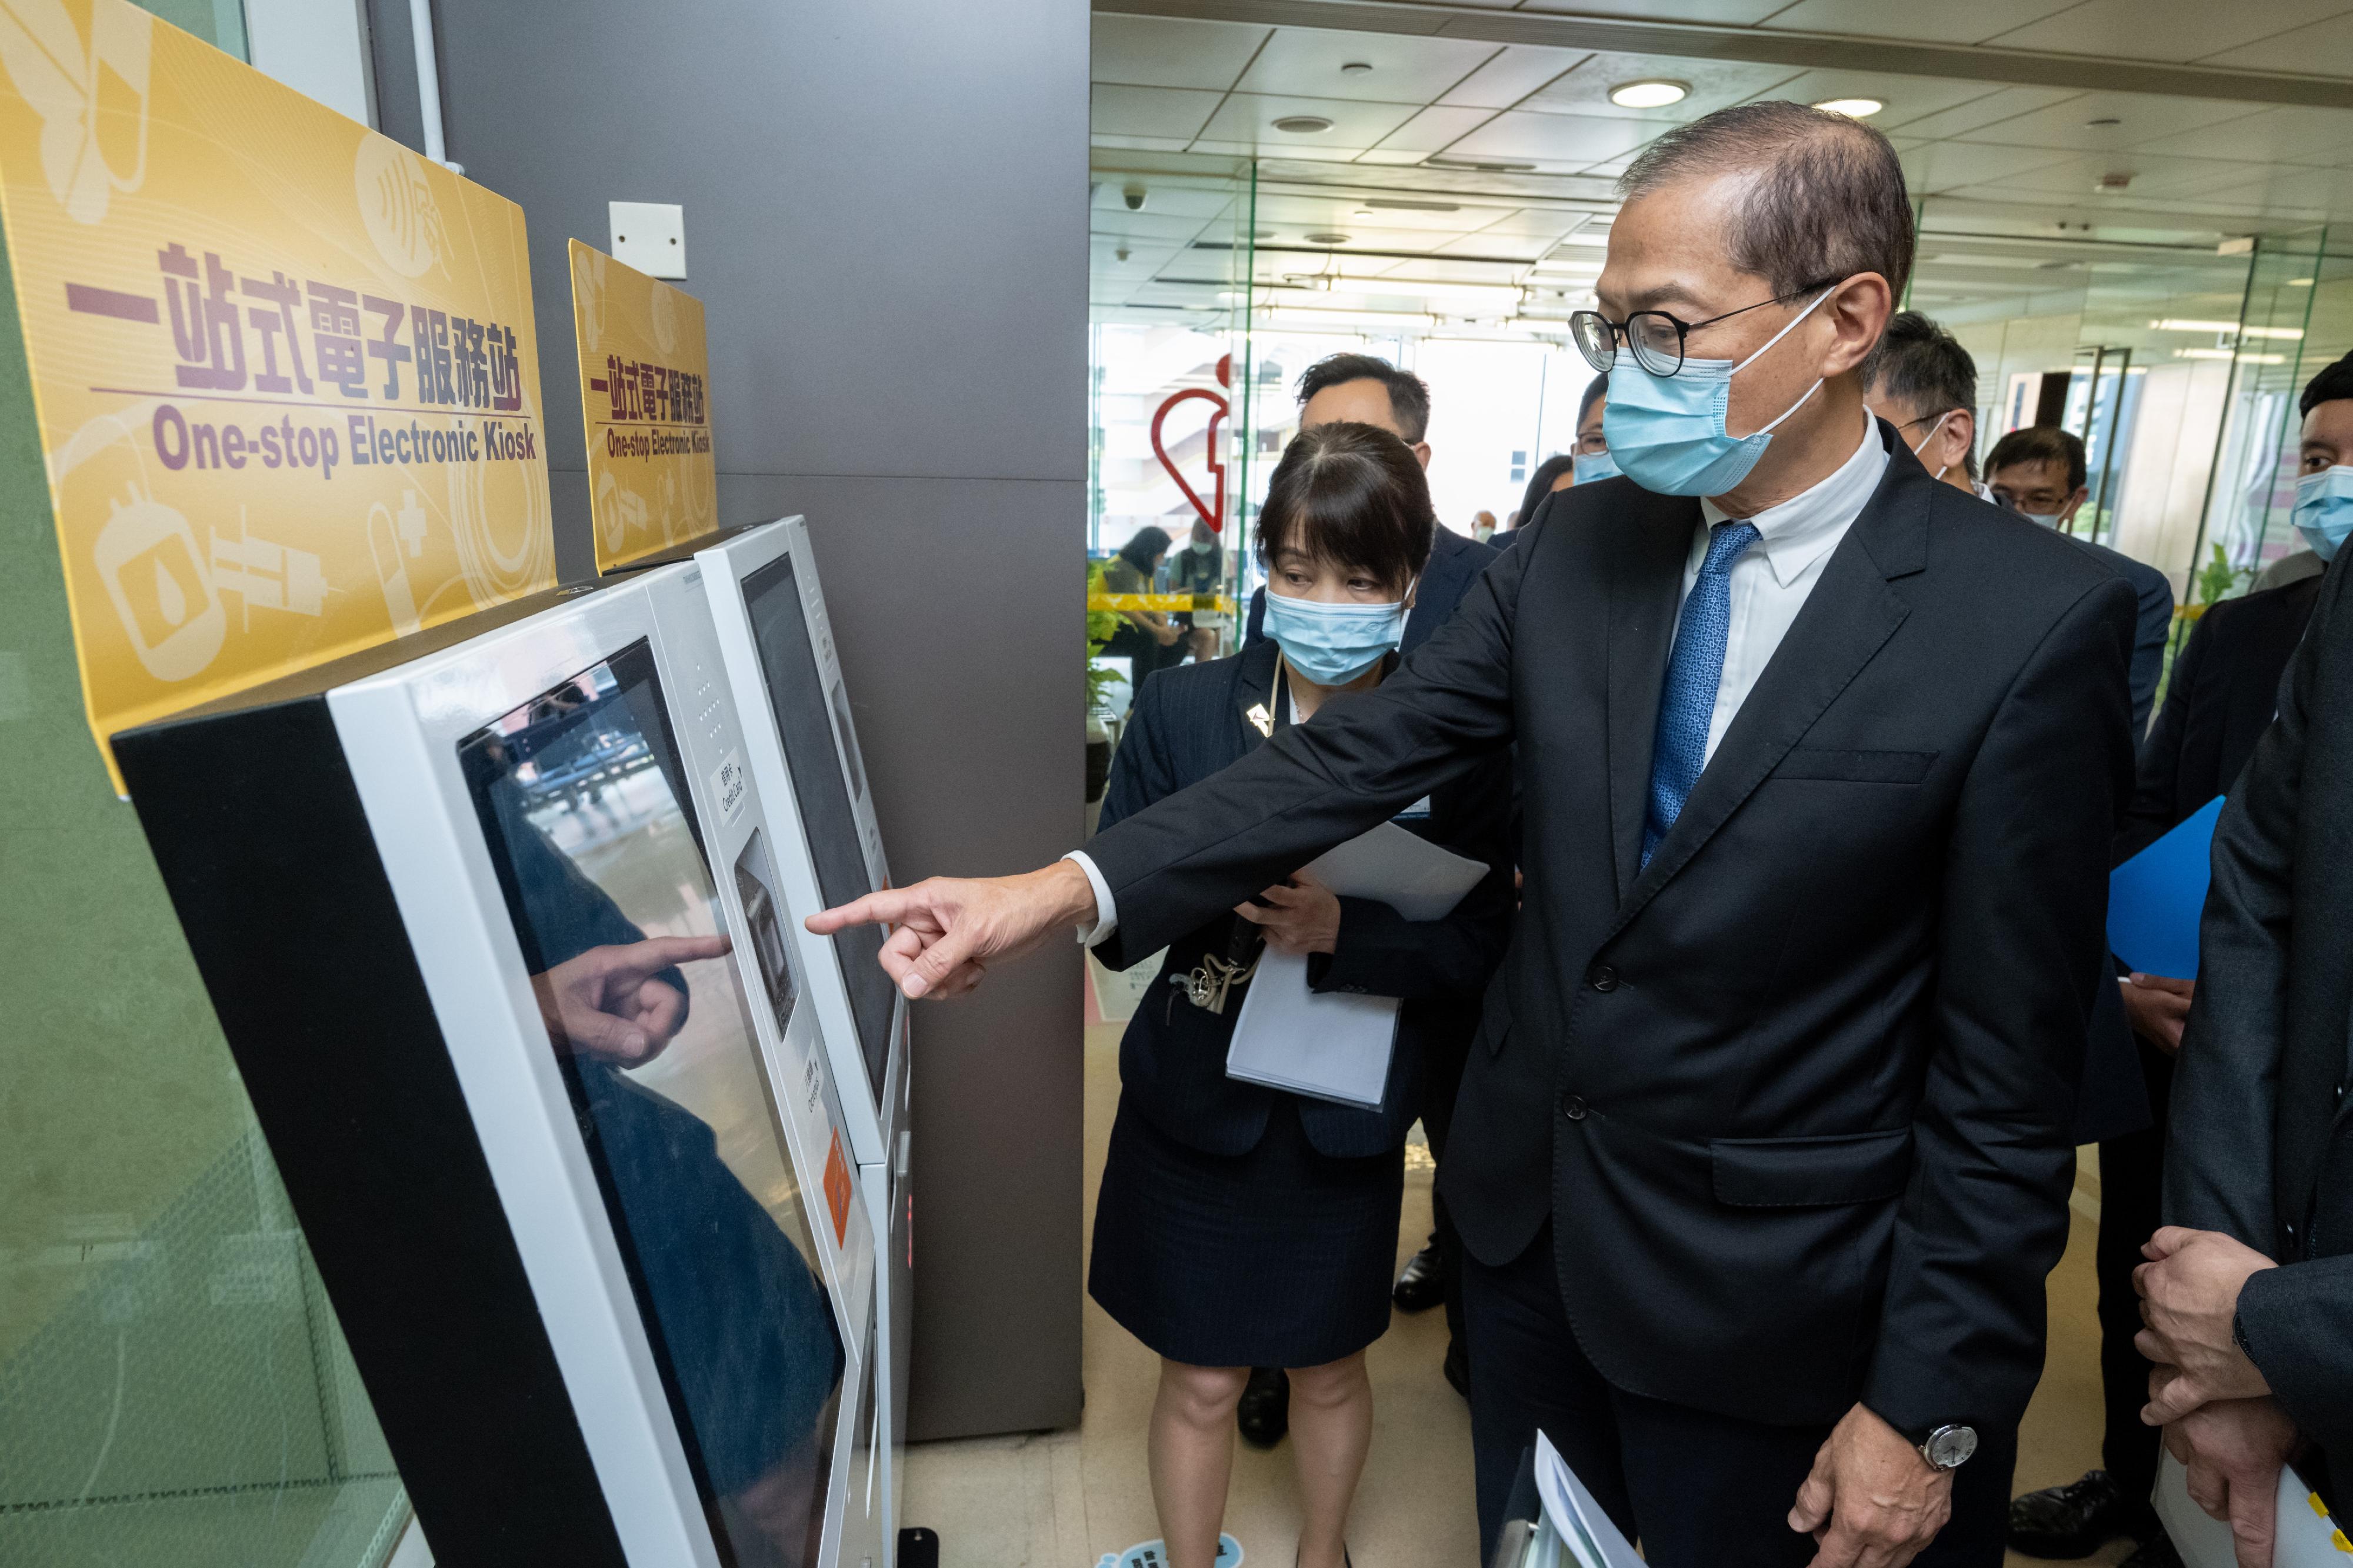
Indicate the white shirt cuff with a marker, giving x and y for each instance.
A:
(1106, 912)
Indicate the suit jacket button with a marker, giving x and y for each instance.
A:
(1573, 1107)
(1601, 977)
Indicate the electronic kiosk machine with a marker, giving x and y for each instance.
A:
(802, 745)
(496, 921)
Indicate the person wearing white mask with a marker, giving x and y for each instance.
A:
(1240, 1225)
(1920, 380)
(2040, 473)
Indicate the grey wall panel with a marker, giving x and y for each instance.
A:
(874, 195)
(886, 221)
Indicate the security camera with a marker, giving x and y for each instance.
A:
(1134, 197)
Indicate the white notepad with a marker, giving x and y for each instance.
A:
(1335, 1046)
(2305, 1535)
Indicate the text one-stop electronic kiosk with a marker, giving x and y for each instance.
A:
(493, 920)
(802, 745)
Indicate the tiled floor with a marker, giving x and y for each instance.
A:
(1066, 1499)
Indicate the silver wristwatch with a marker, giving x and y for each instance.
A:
(1948, 1447)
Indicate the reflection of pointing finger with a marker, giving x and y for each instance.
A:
(641, 959)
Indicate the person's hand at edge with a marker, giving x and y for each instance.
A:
(2157, 1007)
(1301, 915)
(1873, 1500)
(2232, 1452)
(2189, 1299)
(606, 1002)
(948, 930)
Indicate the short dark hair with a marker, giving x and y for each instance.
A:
(1409, 395)
(1827, 198)
(1541, 482)
(1353, 494)
(1592, 395)
(2335, 381)
(1920, 363)
(2040, 444)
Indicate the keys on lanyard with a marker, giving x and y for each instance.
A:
(1206, 987)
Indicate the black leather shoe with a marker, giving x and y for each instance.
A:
(1264, 1412)
(1422, 1285)
(1457, 1367)
(2078, 1518)
(2157, 1552)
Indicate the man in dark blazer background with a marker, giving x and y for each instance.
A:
(1370, 391)
(2220, 701)
(1760, 1157)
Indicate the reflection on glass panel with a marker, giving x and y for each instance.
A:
(580, 795)
(812, 718)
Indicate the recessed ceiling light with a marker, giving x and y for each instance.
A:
(1654, 93)
(1357, 67)
(1327, 237)
(2299, 282)
(1852, 108)
(1303, 125)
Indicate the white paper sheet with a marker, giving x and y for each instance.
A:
(1587, 1538)
(1335, 1046)
(2304, 1538)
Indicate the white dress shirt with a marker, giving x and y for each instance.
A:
(1772, 578)
(1770, 583)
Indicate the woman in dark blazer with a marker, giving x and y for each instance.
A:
(1242, 1225)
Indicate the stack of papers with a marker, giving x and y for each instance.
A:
(1574, 1532)
(1334, 1045)
(2305, 1537)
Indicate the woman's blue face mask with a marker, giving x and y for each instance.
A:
(1331, 645)
(1667, 432)
(2323, 510)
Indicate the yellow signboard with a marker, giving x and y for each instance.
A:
(285, 368)
(644, 376)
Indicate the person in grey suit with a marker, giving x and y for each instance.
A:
(2248, 1291)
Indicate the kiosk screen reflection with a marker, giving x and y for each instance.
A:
(807, 714)
(581, 799)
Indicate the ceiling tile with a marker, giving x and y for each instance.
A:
(1150, 110)
(1156, 51)
(1713, 84)
(1305, 62)
(1247, 121)
(1738, 13)
(1434, 130)
(1510, 75)
(1221, 147)
(1163, 195)
(1967, 24)
(1164, 229)
(1141, 143)
(1563, 142)
(2325, 48)
(2163, 29)
(2141, 117)
(1541, 222)
(1390, 157)
(1943, 166)
(1907, 97)
(2287, 135)
(1997, 104)
(2152, 176)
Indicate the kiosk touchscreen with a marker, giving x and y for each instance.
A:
(803, 748)
(491, 918)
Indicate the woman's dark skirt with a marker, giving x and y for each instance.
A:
(1281, 1257)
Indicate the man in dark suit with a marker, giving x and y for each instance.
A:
(2249, 1292)
(1365, 390)
(2224, 690)
(1760, 1157)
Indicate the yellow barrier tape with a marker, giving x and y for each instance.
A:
(1181, 603)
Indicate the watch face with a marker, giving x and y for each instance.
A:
(1950, 1446)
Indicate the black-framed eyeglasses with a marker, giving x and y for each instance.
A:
(1656, 337)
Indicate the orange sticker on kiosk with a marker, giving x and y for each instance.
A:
(285, 369)
(645, 377)
(838, 1193)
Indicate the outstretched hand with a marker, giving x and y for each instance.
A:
(948, 930)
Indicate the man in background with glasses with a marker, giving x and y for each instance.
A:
(1760, 1158)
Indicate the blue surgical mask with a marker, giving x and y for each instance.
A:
(2323, 510)
(1332, 645)
(1592, 465)
(1667, 432)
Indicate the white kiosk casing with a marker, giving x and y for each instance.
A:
(802, 745)
(601, 729)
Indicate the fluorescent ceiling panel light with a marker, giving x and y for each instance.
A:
(1852, 108)
(1283, 316)
(1651, 93)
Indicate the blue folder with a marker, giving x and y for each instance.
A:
(2155, 898)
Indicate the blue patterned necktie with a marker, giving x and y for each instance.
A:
(1694, 670)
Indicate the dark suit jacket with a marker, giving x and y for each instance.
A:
(2154, 628)
(2224, 690)
(1188, 724)
(1794, 1096)
(1454, 560)
(2262, 1137)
